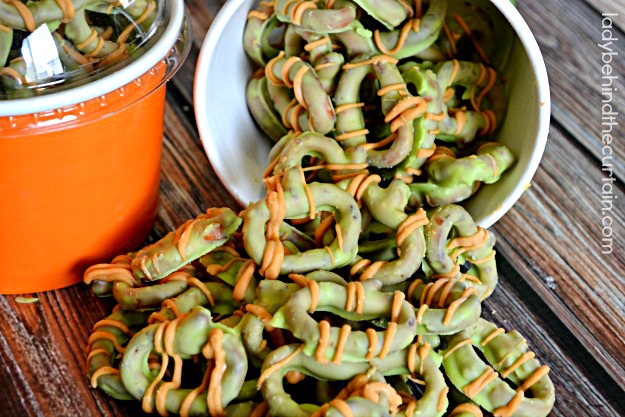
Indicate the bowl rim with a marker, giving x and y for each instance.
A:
(508, 10)
(525, 35)
(108, 83)
(200, 83)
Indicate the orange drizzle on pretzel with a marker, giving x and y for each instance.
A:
(468, 243)
(421, 312)
(412, 288)
(467, 408)
(147, 404)
(453, 307)
(426, 153)
(405, 111)
(101, 335)
(327, 249)
(451, 274)
(243, 280)
(373, 269)
(457, 346)
(393, 87)
(398, 299)
(492, 336)
(478, 48)
(453, 49)
(371, 61)
(149, 8)
(27, 16)
(317, 43)
(478, 385)
(263, 315)
(440, 406)
(509, 409)
(372, 336)
(391, 330)
(171, 304)
(352, 134)
(436, 117)
(340, 345)
(413, 25)
(194, 282)
(344, 107)
(410, 225)
(461, 120)
(324, 340)
(286, 68)
(105, 370)
(313, 287)
(379, 144)
(257, 14)
(277, 366)
(448, 95)
(299, 279)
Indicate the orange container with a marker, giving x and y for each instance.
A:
(79, 184)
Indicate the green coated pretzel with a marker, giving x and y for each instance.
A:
(405, 362)
(214, 296)
(307, 90)
(390, 13)
(308, 16)
(387, 206)
(398, 107)
(356, 40)
(192, 334)
(507, 357)
(102, 277)
(423, 80)
(487, 166)
(417, 37)
(472, 243)
(484, 93)
(109, 338)
(357, 345)
(256, 37)
(296, 204)
(270, 296)
(260, 105)
(313, 144)
(445, 306)
(432, 195)
(325, 61)
(190, 241)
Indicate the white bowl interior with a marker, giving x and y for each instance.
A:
(238, 151)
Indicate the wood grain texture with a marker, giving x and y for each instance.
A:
(568, 33)
(611, 6)
(556, 287)
(553, 238)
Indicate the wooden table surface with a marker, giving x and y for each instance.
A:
(557, 287)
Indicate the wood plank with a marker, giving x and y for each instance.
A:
(611, 6)
(568, 32)
(203, 13)
(553, 238)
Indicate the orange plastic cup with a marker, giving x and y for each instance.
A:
(79, 184)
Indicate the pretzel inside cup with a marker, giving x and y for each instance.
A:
(86, 35)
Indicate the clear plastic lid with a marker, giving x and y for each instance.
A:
(52, 46)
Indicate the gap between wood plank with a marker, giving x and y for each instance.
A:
(584, 358)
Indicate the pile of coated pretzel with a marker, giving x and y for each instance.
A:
(354, 288)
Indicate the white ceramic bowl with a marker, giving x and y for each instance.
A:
(238, 151)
